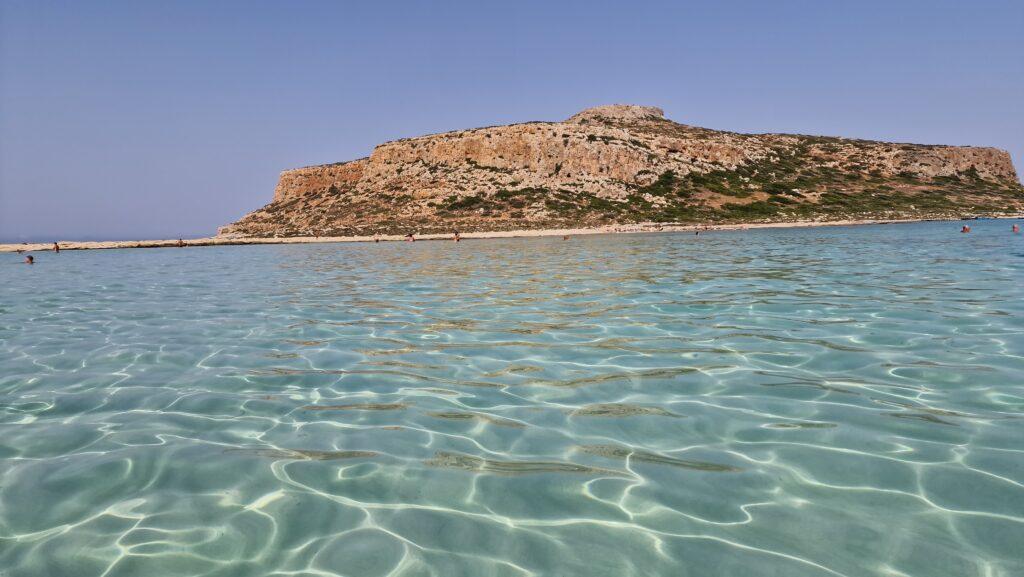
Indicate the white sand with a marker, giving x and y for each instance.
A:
(610, 229)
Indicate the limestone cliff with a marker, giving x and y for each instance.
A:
(622, 164)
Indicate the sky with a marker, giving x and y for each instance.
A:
(146, 119)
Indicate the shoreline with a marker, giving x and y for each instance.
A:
(638, 228)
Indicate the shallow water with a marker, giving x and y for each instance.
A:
(834, 401)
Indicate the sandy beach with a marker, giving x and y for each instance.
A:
(610, 229)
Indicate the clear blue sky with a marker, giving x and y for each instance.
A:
(146, 119)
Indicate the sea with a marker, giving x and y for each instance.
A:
(833, 401)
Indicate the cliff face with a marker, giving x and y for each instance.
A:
(619, 164)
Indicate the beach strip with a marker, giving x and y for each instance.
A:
(637, 228)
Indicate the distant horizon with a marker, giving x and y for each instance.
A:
(108, 238)
(114, 127)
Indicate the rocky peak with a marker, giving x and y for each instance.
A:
(618, 112)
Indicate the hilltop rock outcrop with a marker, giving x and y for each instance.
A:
(622, 164)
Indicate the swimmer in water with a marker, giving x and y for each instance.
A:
(456, 238)
(566, 237)
(30, 259)
(1016, 229)
(965, 229)
(56, 247)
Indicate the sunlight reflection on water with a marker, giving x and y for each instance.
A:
(793, 402)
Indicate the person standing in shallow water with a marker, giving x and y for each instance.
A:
(56, 247)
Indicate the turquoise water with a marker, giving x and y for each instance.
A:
(799, 402)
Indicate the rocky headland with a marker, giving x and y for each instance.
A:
(621, 165)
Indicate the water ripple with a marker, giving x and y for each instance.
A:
(841, 401)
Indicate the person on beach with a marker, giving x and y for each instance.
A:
(29, 259)
(56, 247)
